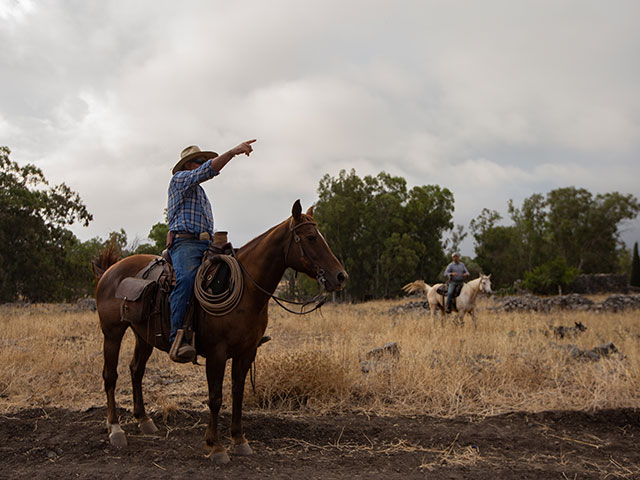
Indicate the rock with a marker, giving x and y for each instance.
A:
(572, 301)
(88, 304)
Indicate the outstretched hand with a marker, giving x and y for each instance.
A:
(244, 147)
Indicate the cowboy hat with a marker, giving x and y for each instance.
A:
(189, 153)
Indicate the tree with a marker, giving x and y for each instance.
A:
(586, 229)
(497, 248)
(531, 231)
(635, 267)
(33, 217)
(569, 222)
(550, 277)
(158, 237)
(457, 237)
(384, 234)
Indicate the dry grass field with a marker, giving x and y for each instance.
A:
(508, 400)
(50, 357)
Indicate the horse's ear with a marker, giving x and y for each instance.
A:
(296, 211)
(489, 276)
(310, 211)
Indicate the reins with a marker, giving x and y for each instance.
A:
(226, 302)
(319, 299)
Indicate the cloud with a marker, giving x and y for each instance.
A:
(495, 101)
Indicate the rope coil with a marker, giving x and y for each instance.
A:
(223, 303)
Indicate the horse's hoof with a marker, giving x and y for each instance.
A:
(242, 449)
(220, 458)
(147, 426)
(118, 439)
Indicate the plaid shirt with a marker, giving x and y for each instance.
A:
(189, 209)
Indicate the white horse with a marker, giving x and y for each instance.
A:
(465, 303)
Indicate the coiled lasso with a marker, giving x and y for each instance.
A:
(223, 303)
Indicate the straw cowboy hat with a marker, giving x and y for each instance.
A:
(189, 153)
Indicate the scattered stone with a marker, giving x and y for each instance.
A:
(562, 331)
(614, 303)
(383, 357)
(88, 304)
(388, 349)
(600, 283)
(399, 309)
(596, 353)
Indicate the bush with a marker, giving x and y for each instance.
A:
(550, 277)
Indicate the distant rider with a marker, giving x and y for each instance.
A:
(456, 273)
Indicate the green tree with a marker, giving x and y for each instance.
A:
(635, 267)
(586, 229)
(531, 237)
(497, 248)
(429, 214)
(550, 277)
(33, 217)
(582, 229)
(158, 237)
(384, 234)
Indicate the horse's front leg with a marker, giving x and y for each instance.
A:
(239, 370)
(215, 376)
(432, 309)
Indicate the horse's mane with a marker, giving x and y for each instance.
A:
(255, 241)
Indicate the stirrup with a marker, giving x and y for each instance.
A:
(181, 352)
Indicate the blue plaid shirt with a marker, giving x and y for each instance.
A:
(189, 209)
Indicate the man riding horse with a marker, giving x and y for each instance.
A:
(191, 228)
(456, 272)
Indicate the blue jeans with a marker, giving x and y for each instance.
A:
(186, 255)
(452, 287)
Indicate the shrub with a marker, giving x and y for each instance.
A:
(550, 277)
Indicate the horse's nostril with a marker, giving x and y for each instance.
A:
(342, 277)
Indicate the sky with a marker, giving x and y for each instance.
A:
(494, 100)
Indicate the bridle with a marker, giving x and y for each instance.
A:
(295, 238)
(319, 299)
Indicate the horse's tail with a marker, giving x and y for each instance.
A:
(107, 257)
(419, 286)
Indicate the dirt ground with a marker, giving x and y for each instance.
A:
(39, 444)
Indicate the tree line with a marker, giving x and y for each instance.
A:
(385, 233)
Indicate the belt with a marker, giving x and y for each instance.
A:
(195, 236)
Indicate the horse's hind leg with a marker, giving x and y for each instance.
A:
(141, 354)
(112, 341)
(239, 370)
(215, 376)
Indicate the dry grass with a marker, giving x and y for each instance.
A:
(49, 357)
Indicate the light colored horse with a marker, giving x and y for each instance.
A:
(465, 303)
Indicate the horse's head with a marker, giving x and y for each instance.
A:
(485, 284)
(308, 252)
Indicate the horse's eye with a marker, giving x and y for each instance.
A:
(311, 238)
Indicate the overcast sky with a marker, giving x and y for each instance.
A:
(495, 100)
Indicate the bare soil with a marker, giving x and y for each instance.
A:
(57, 443)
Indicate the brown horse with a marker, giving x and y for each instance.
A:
(294, 243)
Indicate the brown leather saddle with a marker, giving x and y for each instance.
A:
(145, 297)
(443, 289)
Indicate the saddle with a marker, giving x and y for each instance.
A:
(145, 297)
(444, 288)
